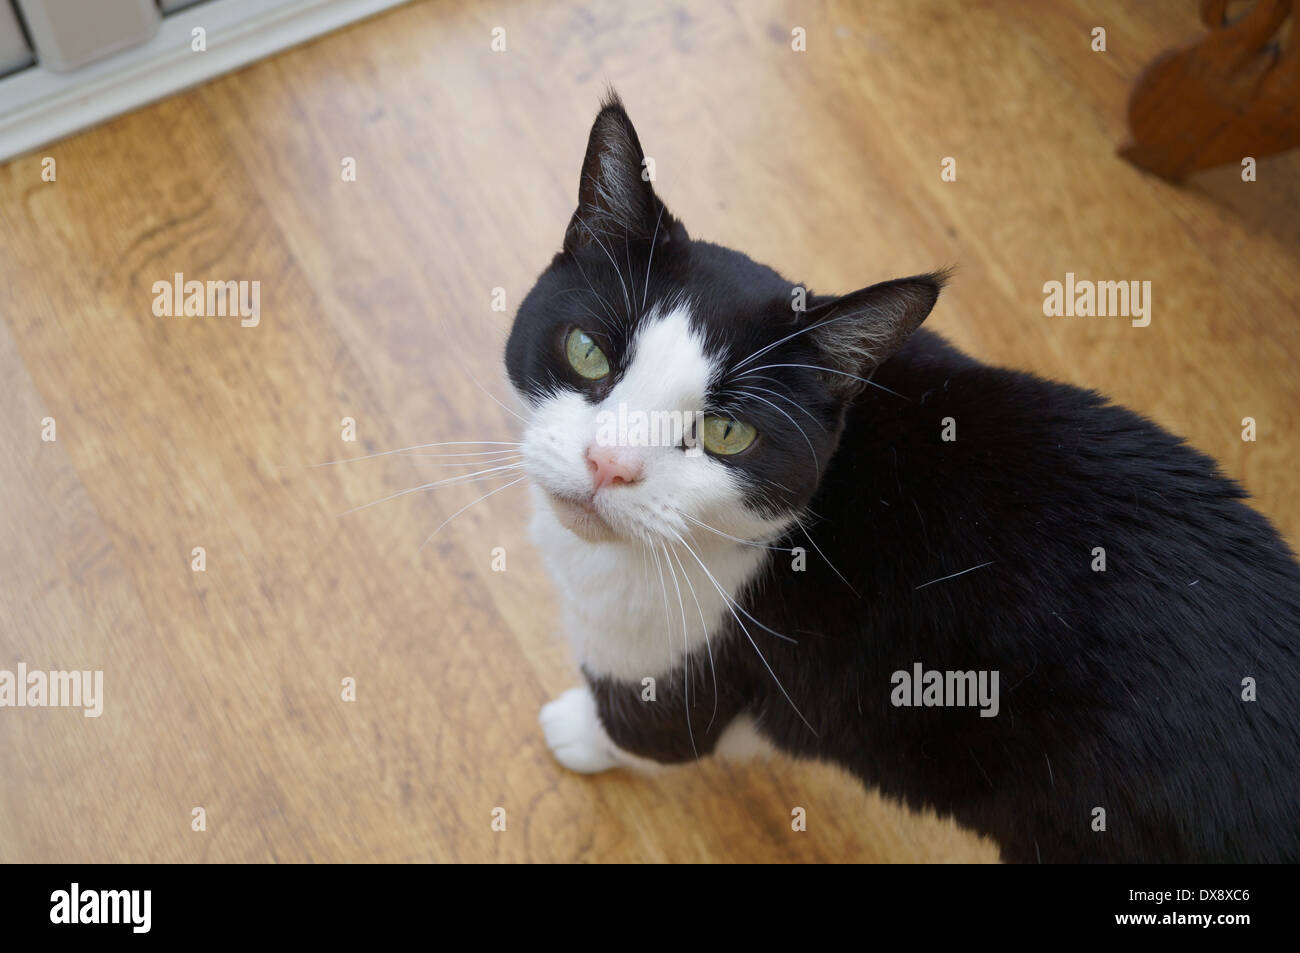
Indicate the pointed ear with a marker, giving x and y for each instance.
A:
(856, 333)
(614, 199)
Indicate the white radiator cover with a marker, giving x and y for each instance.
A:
(39, 105)
(72, 33)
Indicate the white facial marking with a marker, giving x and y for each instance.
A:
(633, 593)
(669, 373)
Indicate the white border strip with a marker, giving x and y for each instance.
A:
(37, 106)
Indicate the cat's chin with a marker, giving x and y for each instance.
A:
(582, 520)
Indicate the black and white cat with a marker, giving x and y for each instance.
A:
(1063, 627)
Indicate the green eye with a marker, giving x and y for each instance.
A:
(725, 436)
(584, 356)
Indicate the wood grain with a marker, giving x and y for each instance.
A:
(223, 687)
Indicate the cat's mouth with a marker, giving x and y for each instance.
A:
(582, 517)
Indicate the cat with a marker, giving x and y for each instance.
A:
(998, 597)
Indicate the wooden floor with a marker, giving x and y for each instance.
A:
(223, 687)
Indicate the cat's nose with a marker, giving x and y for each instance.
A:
(610, 465)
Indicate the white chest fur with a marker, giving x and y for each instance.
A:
(631, 610)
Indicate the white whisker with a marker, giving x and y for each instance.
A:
(730, 601)
(955, 575)
(704, 627)
(761, 657)
(467, 506)
(816, 463)
(609, 309)
(592, 291)
(459, 478)
(653, 240)
(668, 629)
(830, 370)
(791, 400)
(734, 539)
(626, 299)
(686, 652)
(480, 453)
(516, 458)
(422, 446)
(804, 330)
(798, 523)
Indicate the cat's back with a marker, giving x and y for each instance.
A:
(1005, 462)
(1144, 619)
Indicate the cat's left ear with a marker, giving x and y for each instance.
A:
(857, 332)
(615, 197)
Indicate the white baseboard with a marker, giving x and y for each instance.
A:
(38, 106)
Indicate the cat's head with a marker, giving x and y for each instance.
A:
(679, 388)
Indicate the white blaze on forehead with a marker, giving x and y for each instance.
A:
(669, 368)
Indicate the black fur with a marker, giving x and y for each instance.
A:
(1119, 689)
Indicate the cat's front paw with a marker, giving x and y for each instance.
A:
(574, 733)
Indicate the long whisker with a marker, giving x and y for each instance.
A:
(734, 539)
(804, 330)
(467, 506)
(668, 628)
(645, 568)
(722, 592)
(463, 366)
(516, 458)
(627, 257)
(422, 446)
(816, 463)
(478, 453)
(609, 309)
(626, 299)
(653, 241)
(831, 370)
(459, 478)
(761, 657)
(956, 574)
(704, 627)
(492, 397)
(686, 653)
(604, 320)
(791, 400)
(825, 559)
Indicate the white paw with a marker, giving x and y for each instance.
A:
(574, 733)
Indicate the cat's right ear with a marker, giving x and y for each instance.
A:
(615, 198)
(858, 332)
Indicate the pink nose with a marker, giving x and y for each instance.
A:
(610, 465)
